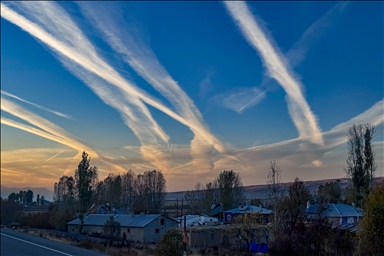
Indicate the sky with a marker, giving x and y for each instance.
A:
(188, 88)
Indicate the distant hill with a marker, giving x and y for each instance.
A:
(48, 194)
(261, 191)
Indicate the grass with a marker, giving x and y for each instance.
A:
(92, 245)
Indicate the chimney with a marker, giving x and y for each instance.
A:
(308, 204)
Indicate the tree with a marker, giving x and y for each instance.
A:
(85, 181)
(10, 212)
(42, 199)
(231, 189)
(371, 230)
(170, 244)
(29, 196)
(361, 165)
(289, 227)
(275, 189)
(64, 193)
(150, 190)
(109, 190)
(330, 193)
(128, 191)
(12, 197)
(111, 230)
(195, 198)
(38, 199)
(244, 230)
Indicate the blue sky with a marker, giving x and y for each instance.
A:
(188, 88)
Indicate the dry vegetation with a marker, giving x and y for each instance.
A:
(93, 245)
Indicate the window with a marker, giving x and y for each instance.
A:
(157, 230)
(229, 217)
(162, 221)
(128, 230)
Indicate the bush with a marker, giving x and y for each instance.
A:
(170, 244)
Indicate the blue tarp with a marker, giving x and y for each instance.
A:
(255, 247)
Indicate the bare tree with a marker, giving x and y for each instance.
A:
(128, 193)
(361, 165)
(195, 198)
(275, 188)
(150, 190)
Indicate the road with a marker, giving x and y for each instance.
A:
(20, 244)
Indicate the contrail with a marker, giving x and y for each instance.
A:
(144, 61)
(238, 102)
(301, 114)
(48, 129)
(36, 105)
(94, 64)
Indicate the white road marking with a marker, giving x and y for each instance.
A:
(36, 244)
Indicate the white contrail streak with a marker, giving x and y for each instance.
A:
(144, 61)
(303, 118)
(36, 105)
(91, 62)
(101, 69)
(48, 130)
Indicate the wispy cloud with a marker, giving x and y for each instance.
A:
(240, 99)
(277, 67)
(298, 51)
(144, 61)
(45, 129)
(234, 99)
(36, 105)
(81, 52)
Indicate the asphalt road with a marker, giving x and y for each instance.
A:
(20, 244)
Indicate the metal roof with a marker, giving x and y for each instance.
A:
(336, 210)
(125, 220)
(250, 209)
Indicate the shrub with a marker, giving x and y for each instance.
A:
(170, 244)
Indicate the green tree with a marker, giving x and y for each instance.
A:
(361, 165)
(230, 188)
(38, 199)
(170, 244)
(85, 180)
(111, 230)
(371, 230)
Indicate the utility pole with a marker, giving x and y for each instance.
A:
(177, 206)
(185, 236)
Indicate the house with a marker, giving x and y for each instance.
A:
(247, 208)
(340, 215)
(140, 228)
(197, 220)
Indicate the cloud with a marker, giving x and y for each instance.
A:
(205, 86)
(240, 99)
(277, 67)
(36, 105)
(234, 99)
(80, 51)
(143, 60)
(298, 51)
(46, 129)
